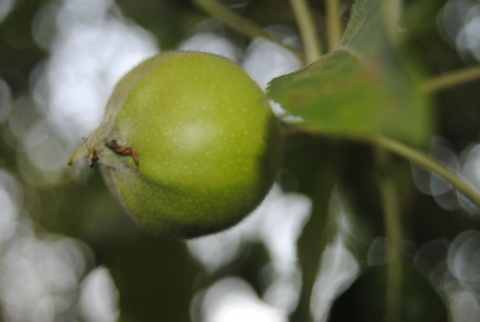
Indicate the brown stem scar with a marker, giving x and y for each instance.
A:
(93, 159)
(123, 150)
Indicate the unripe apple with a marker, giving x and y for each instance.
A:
(188, 143)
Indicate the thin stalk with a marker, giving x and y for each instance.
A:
(451, 79)
(426, 162)
(334, 23)
(393, 228)
(393, 14)
(308, 30)
(241, 24)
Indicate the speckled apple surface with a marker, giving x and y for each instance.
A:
(207, 142)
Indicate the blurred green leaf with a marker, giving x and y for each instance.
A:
(420, 301)
(154, 276)
(343, 223)
(311, 170)
(362, 88)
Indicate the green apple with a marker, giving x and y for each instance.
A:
(188, 144)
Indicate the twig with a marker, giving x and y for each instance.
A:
(427, 163)
(308, 30)
(241, 24)
(393, 14)
(334, 23)
(451, 79)
(393, 228)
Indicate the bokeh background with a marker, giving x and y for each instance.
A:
(68, 252)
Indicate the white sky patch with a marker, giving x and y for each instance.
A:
(94, 47)
(338, 270)
(265, 60)
(338, 267)
(39, 277)
(10, 201)
(99, 297)
(212, 43)
(459, 23)
(277, 222)
(6, 7)
(233, 300)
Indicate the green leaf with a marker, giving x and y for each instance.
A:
(362, 88)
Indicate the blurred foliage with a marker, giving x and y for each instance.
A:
(361, 88)
(157, 277)
(420, 300)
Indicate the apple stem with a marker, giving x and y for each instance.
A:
(82, 152)
(89, 148)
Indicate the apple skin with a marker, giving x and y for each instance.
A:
(207, 142)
